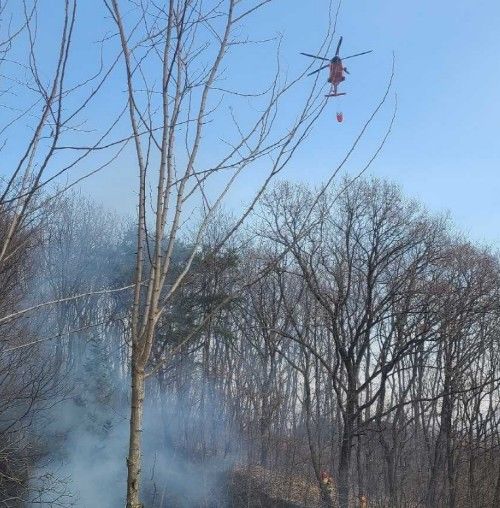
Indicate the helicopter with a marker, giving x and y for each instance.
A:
(337, 69)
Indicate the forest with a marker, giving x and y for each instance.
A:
(321, 346)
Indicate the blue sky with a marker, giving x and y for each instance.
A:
(444, 148)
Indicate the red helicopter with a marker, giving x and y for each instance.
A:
(336, 71)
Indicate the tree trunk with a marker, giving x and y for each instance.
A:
(266, 413)
(439, 486)
(346, 450)
(391, 477)
(472, 478)
(496, 496)
(450, 468)
(344, 465)
(134, 454)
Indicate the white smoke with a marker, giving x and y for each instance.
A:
(185, 452)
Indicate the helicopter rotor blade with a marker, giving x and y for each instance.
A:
(338, 46)
(357, 54)
(318, 70)
(314, 56)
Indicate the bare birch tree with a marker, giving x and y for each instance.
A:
(173, 55)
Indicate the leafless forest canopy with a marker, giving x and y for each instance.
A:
(331, 346)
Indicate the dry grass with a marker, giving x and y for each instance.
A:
(280, 488)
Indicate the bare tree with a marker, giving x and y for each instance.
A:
(364, 261)
(173, 58)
